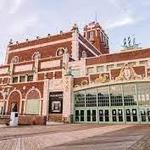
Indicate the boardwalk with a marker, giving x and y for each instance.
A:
(66, 137)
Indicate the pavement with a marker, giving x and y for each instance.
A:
(75, 137)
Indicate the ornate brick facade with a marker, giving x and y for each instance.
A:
(61, 64)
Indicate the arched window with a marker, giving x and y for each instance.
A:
(33, 102)
(36, 55)
(14, 102)
(15, 60)
(84, 54)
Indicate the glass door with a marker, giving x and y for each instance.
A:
(117, 115)
(79, 116)
(91, 115)
(131, 115)
(144, 115)
(104, 116)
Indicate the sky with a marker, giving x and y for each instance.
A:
(22, 19)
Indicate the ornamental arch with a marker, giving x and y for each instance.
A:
(14, 101)
(33, 102)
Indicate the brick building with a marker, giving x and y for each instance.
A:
(73, 77)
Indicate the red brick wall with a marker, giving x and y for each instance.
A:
(140, 70)
(116, 57)
(41, 41)
(82, 48)
(77, 81)
(28, 86)
(46, 51)
(32, 120)
(95, 76)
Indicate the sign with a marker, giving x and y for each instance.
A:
(55, 102)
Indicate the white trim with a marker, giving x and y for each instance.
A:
(92, 46)
(75, 45)
(94, 85)
(15, 90)
(6, 57)
(120, 62)
(40, 45)
(88, 48)
(31, 89)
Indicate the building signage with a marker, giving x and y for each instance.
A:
(55, 102)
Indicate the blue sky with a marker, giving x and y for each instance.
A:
(21, 19)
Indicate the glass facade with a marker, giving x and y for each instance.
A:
(120, 103)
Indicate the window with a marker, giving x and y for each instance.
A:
(32, 106)
(143, 93)
(75, 72)
(80, 99)
(90, 70)
(91, 35)
(15, 79)
(22, 78)
(109, 67)
(103, 96)
(132, 64)
(91, 98)
(30, 78)
(144, 62)
(116, 95)
(84, 55)
(120, 65)
(100, 68)
(129, 94)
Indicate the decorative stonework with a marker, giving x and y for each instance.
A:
(36, 55)
(22, 68)
(128, 73)
(66, 84)
(4, 70)
(50, 64)
(60, 51)
(102, 78)
(56, 84)
(84, 82)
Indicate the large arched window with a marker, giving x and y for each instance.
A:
(33, 102)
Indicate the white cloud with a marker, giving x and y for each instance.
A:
(2, 3)
(121, 22)
(15, 5)
(21, 25)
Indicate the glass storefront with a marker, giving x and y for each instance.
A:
(119, 103)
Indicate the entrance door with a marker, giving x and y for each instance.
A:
(145, 115)
(104, 115)
(79, 116)
(14, 102)
(117, 115)
(131, 115)
(91, 115)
